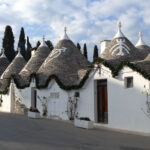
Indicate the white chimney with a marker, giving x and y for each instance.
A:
(104, 44)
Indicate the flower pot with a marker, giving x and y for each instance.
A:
(83, 124)
(34, 115)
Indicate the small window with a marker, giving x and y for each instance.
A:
(129, 82)
(76, 94)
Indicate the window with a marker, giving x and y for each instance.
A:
(129, 82)
(76, 94)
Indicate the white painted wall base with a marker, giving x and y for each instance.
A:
(34, 115)
(83, 124)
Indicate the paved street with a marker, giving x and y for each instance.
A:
(20, 133)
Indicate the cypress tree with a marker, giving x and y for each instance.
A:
(85, 51)
(95, 52)
(28, 51)
(22, 42)
(38, 44)
(79, 47)
(49, 44)
(8, 43)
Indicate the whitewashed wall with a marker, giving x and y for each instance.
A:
(25, 94)
(127, 107)
(85, 105)
(57, 107)
(6, 104)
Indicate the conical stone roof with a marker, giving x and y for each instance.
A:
(118, 48)
(147, 58)
(15, 66)
(35, 61)
(144, 65)
(4, 62)
(65, 61)
(143, 49)
(121, 49)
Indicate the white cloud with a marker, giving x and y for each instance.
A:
(88, 21)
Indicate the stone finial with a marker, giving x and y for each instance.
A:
(65, 36)
(3, 54)
(19, 52)
(140, 41)
(43, 38)
(119, 25)
(43, 44)
(65, 30)
(119, 32)
(140, 35)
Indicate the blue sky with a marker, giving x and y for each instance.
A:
(87, 21)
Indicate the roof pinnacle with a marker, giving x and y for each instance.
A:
(3, 54)
(65, 29)
(65, 36)
(119, 32)
(43, 38)
(43, 44)
(19, 52)
(140, 41)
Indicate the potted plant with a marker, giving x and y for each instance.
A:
(33, 113)
(83, 122)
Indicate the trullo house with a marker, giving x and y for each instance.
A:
(113, 92)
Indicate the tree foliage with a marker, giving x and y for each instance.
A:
(8, 43)
(79, 47)
(21, 42)
(38, 44)
(49, 44)
(85, 51)
(95, 53)
(28, 51)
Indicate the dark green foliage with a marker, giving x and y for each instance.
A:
(28, 51)
(85, 51)
(61, 85)
(115, 71)
(95, 53)
(49, 44)
(8, 43)
(38, 44)
(21, 42)
(79, 47)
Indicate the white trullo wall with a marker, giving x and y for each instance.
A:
(86, 103)
(24, 95)
(127, 108)
(56, 100)
(6, 104)
(7, 100)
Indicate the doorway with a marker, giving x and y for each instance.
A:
(102, 101)
(33, 98)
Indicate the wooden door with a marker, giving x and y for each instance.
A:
(102, 103)
(35, 99)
